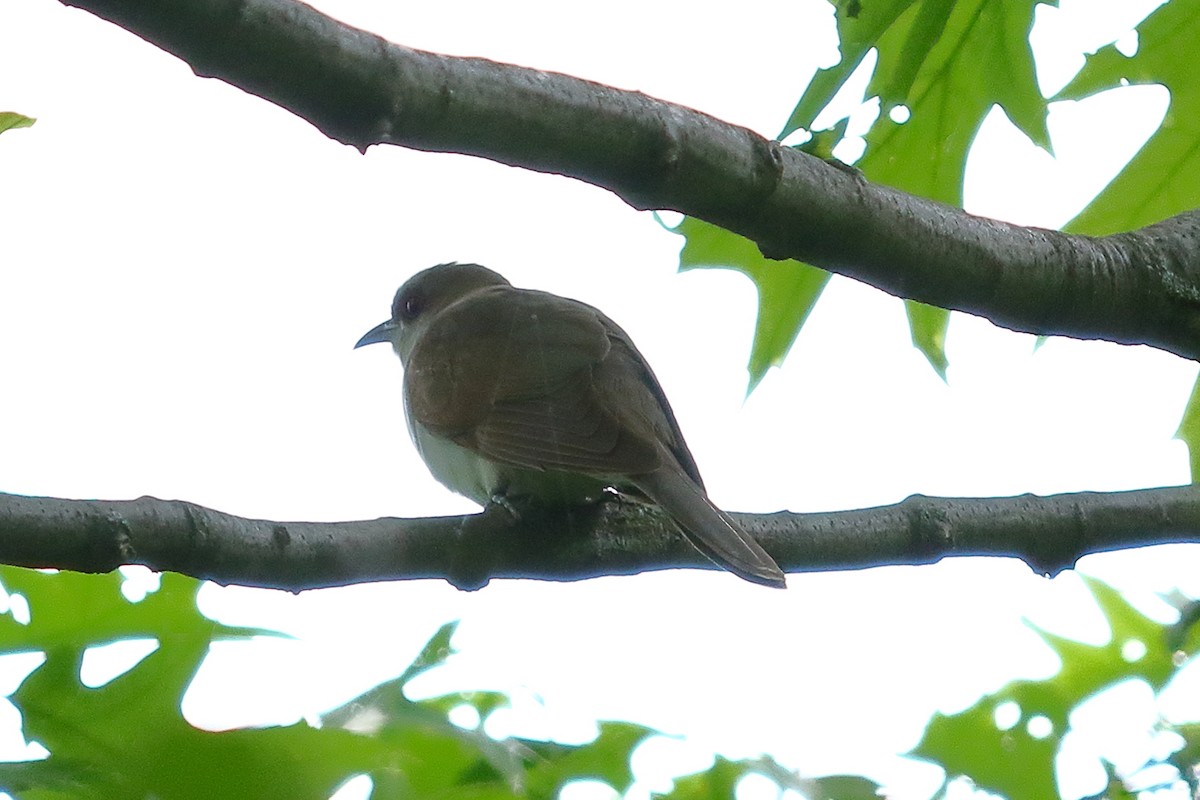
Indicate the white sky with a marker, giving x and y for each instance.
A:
(185, 269)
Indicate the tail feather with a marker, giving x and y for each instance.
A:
(708, 528)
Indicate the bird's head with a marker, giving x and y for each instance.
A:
(420, 299)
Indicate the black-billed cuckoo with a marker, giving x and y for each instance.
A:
(518, 393)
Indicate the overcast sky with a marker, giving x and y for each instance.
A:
(185, 269)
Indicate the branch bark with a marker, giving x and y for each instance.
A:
(610, 538)
(1140, 287)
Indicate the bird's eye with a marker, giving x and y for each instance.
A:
(410, 307)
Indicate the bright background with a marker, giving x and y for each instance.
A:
(184, 269)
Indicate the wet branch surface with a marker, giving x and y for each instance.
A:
(611, 538)
(1138, 287)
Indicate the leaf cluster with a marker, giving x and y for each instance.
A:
(1008, 741)
(128, 738)
(941, 68)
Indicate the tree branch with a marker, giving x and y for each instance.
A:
(612, 538)
(1141, 287)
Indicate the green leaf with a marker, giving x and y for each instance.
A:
(1187, 758)
(1189, 429)
(52, 778)
(441, 757)
(787, 290)
(948, 62)
(1115, 789)
(433, 654)
(860, 26)
(74, 610)
(606, 758)
(1163, 179)
(722, 778)
(719, 782)
(842, 787)
(127, 737)
(821, 143)
(437, 755)
(1185, 634)
(928, 326)
(1011, 763)
(10, 120)
(1018, 763)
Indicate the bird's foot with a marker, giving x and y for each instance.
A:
(480, 540)
(474, 551)
(510, 504)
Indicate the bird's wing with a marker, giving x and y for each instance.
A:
(525, 391)
(675, 484)
(628, 384)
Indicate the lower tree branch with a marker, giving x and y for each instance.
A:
(616, 537)
(1141, 287)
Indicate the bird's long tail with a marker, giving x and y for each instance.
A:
(709, 528)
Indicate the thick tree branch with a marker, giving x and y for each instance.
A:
(612, 538)
(1141, 287)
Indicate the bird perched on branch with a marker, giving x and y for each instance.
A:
(516, 393)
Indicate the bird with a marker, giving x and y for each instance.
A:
(523, 394)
